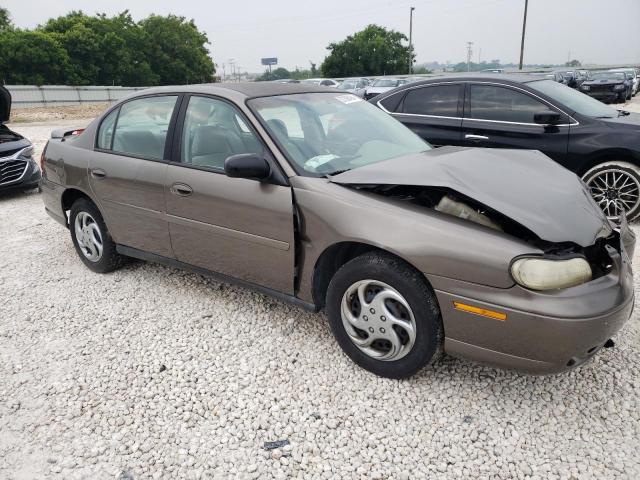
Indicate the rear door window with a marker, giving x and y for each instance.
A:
(503, 104)
(437, 100)
(105, 133)
(141, 130)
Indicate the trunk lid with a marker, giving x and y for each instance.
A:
(524, 185)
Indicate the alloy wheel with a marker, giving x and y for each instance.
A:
(615, 191)
(378, 320)
(88, 236)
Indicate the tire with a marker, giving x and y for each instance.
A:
(108, 259)
(630, 186)
(394, 277)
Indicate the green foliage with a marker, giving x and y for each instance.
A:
(573, 63)
(177, 51)
(372, 51)
(5, 19)
(32, 57)
(277, 74)
(78, 49)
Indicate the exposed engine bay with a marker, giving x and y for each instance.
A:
(453, 203)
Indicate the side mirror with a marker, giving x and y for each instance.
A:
(247, 165)
(546, 117)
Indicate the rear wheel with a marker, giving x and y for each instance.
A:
(384, 315)
(91, 238)
(615, 186)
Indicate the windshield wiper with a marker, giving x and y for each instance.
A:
(337, 172)
(623, 113)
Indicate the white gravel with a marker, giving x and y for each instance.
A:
(152, 372)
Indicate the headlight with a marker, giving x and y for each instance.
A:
(26, 152)
(585, 87)
(546, 274)
(619, 87)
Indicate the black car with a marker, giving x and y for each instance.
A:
(597, 142)
(18, 170)
(608, 86)
(572, 78)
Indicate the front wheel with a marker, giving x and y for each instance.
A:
(384, 315)
(615, 186)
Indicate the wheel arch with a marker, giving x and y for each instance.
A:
(70, 196)
(335, 256)
(609, 155)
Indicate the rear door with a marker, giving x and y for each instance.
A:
(235, 226)
(127, 172)
(501, 116)
(434, 112)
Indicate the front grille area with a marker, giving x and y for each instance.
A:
(12, 170)
(601, 88)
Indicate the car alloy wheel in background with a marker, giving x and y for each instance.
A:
(615, 186)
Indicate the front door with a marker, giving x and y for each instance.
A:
(499, 116)
(127, 172)
(238, 227)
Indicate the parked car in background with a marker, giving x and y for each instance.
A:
(555, 76)
(572, 78)
(323, 82)
(18, 170)
(357, 86)
(382, 85)
(608, 86)
(320, 199)
(633, 74)
(597, 142)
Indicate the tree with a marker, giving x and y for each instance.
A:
(372, 51)
(277, 74)
(176, 50)
(573, 63)
(5, 19)
(32, 57)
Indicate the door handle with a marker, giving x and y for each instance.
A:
(181, 189)
(98, 173)
(475, 138)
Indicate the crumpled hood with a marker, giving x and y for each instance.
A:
(524, 185)
(610, 81)
(5, 104)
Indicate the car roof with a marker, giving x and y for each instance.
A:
(244, 89)
(483, 76)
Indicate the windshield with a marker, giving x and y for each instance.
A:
(347, 85)
(328, 133)
(386, 82)
(573, 100)
(607, 76)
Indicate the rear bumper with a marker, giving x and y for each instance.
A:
(543, 332)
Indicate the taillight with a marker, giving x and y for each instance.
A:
(43, 157)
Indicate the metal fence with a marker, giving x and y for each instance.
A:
(55, 95)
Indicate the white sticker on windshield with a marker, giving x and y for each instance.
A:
(346, 99)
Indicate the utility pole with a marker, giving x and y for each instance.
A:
(411, 9)
(524, 28)
(469, 53)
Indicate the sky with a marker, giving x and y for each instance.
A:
(298, 31)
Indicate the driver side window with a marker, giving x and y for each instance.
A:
(213, 131)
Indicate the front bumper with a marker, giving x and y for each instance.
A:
(543, 332)
(608, 95)
(21, 174)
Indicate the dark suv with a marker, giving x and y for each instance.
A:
(597, 142)
(18, 170)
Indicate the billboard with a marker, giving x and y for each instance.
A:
(269, 61)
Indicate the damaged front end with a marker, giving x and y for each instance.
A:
(522, 194)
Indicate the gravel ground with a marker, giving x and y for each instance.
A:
(151, 372)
